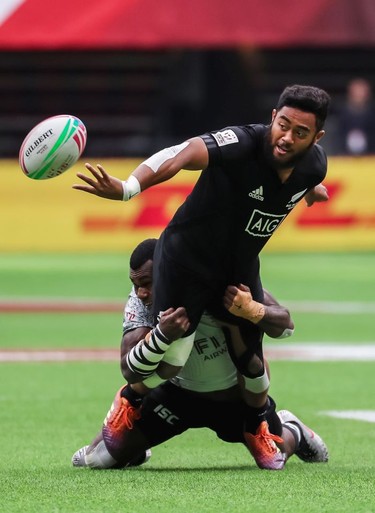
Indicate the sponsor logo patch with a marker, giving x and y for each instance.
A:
(262, 224)
(257, 194)
(294, 199)
(225, 137)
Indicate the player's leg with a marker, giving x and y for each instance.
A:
(166, 412)
(296, 437)
(245, 340)
(175, 286)
(127, 405)
(230, 428)
(266, 443)
(306, 443)
(123, 413)
(245, 347)
(262, 442)
(125, 410)
(96, 456)
(127, 421)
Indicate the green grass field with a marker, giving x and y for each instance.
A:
(48, 410)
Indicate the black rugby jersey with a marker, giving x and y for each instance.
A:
(237, 203)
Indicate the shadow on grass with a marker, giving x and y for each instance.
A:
(211, 468)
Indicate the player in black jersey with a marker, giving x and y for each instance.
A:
(253, 176)
(198, 396)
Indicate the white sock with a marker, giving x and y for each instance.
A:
(295, 429)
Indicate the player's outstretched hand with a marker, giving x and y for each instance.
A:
(318, 194)
(174, 323)
(103, 184)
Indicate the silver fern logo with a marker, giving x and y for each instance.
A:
(295, 199)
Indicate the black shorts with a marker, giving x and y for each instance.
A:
(168, 411)
(175, 285)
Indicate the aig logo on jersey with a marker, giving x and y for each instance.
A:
(262, 224)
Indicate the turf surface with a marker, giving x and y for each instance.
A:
(49, 410)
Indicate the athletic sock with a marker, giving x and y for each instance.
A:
(274, 422)
(254, 417)
(134, 398)
(295, 430)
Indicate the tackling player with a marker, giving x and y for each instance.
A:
(253, 176)
(199, 396)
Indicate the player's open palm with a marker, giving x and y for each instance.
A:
(317, 195)
(101, 183)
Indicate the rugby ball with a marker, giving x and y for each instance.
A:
(52, 147)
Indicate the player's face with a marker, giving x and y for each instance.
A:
(292, 133)
(142, 281)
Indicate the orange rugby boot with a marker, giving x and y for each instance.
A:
(263, 448)
(119, 419)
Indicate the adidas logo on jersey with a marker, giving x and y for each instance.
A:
(257, 193)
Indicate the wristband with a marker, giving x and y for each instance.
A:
(131, 187)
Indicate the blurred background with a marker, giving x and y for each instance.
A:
(143, 74)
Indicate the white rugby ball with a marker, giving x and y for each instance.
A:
(52, 147)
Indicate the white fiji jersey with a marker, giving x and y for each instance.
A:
(136, 314)
(209, 367)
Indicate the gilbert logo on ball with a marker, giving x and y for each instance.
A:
(52, 147)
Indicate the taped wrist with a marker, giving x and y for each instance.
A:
(255, 312)
(131, 187)
(251, 310)
(144, 358)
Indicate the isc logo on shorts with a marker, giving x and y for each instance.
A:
(262, 224)
(166, 414)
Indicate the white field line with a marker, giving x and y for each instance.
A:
(59, 355)
(289, 352)
(63, 305)
(312, 351)
(331, 307)
(293, 352)
(363, 415)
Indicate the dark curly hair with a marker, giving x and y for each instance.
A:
(308, 99)
(143, 252)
